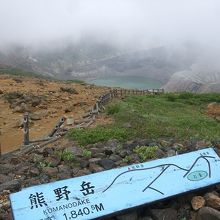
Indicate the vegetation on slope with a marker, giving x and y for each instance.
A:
(18, 72)
(181, 116)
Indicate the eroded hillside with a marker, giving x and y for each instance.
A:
(46, 101)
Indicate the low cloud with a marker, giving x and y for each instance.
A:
(125, 23)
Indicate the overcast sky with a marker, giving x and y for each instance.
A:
(124, 22)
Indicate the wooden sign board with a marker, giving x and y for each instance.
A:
(107, 192)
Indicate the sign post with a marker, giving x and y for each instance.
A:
(107, 192)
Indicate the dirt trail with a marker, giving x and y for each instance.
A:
(54, 103)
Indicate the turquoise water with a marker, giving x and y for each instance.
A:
(128, 82)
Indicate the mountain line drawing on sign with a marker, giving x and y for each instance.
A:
(191, 176)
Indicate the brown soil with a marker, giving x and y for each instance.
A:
(53, 108)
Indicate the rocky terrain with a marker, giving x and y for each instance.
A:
(46, 101)
(61, 161)
(197, 79)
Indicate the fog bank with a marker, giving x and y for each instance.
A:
(124, 23)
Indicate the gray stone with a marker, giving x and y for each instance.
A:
(145, 218)
(107, 164)
(178, 147)
(94, 160)
(207, 213)
(3, 215)
(95, 150)
(50, 171)
(84, 163)
(82, 172)
(35, 116)
(123, 153)
(112, 144)
(63, 176)
(48, 151)
(165, 143)
(6, 168)
(129, 216)
(108, 151)
(67, 109)
(53, 161)
(34, 171)
(35, 101)
(70, 121)
(21, 108)
(94, 168)
(13, 185)
(75, 171)
(23, 170)
(160, 153)
(64, 169)
(203, 144)
(213, 200)
(127, 125)
(101, 155)
(115, 158)
(197, 202)
(171, 153)
(4, 178)
(164, 214)
(15, 160)
(18, 123)
(77, 151)
(37, 158)
(152, 144)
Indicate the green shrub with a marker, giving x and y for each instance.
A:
(186, 95)
(145, 152)
(11, 96)
(66, 155)
(171, 98)
(42, 164)
(112, 109)
(127, 159)
(87, 153)
(77, 81)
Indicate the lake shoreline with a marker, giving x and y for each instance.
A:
(127, 82)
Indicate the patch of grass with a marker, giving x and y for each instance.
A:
(77, 81)
(156, 116)
(19, 72)
(193, 98)
(98, 134)
(113, 109)
(146, 153)
(66, 155)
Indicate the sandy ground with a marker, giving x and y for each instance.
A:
(11, 135)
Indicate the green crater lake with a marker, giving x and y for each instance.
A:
(127, 82)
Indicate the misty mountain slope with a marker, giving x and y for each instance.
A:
(56, 60)
(91, 60)
(194, 81)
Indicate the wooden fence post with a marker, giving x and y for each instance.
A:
(26, 129)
